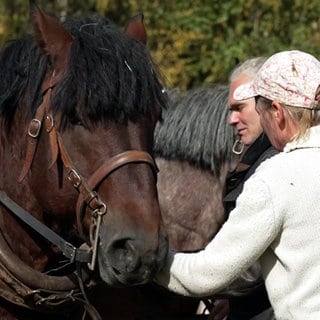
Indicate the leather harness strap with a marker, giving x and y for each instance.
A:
(35, 125)
(68, 250)
(87, 198)
(131, 156)
(33, 133)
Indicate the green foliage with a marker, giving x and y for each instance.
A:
(198, 41)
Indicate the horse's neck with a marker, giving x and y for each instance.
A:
(191, 203)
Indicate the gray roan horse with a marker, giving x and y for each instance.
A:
(194, 152)
(193, 147)
(78, 108)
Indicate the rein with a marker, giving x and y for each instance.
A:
(68, 250)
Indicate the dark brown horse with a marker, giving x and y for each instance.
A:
(79, 204)
(193, 144)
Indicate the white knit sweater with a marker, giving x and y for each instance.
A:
(276, 220)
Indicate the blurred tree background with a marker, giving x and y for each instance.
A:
(193, 41)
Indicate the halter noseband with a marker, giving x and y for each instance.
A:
(88, 197)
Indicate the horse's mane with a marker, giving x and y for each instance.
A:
(106, 79)
(195, 128)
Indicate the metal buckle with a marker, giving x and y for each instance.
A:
(238, 147)
(74, 178)
(34, 128)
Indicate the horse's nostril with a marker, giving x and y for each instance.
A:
(126, 255)
(119, 244)
(133, 258)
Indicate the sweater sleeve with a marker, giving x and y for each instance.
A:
(241, 241)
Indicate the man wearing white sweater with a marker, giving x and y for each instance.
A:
(277, 216)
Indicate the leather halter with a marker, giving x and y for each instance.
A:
(88, 197)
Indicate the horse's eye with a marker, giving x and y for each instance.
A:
(75, 121)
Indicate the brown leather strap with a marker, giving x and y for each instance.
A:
(33, 133)
(86, 187)
(85, 192)
(31, 277)
(53, 139)
(121, 159)
(87, 195)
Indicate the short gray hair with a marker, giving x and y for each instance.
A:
(249, 67)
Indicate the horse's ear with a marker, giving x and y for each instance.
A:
(135, 29)
(51, 36)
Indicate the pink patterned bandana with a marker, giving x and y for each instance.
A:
(289, 77)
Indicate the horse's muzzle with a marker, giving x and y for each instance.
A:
(128, 262)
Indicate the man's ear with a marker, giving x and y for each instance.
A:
(278, 113)
(277, 110)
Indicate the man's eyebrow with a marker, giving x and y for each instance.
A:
(236, 106)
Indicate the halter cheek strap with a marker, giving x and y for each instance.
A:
(35, 125)
(34, 130)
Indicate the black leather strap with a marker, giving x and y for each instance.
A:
(68, 250)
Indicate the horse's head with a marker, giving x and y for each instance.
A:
(87, 168)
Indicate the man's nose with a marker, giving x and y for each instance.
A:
(233, 118)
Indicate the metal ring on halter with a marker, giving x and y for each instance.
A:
(238, 147)
(96, 219)
(101, 210)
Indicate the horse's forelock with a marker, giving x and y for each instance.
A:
(22, 69)
(110, 76)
